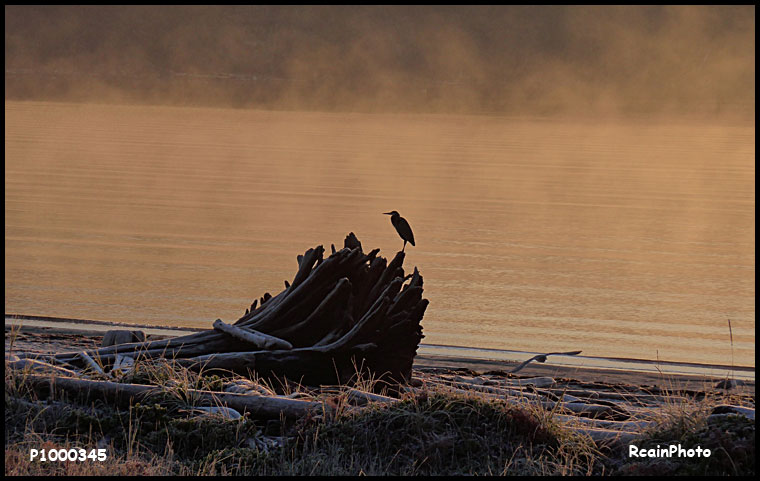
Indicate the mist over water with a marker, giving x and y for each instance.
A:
(576, 177)
(587, 61)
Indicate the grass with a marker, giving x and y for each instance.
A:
(731, 440)
(438, 434)
(432, 432)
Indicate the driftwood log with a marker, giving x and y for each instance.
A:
(121, 394)
(350, 313)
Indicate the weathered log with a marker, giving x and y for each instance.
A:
(186, 341)
(122, 364)
(219, 343)
(261, 407)
(90, 363)
(257, 339)
(34, 365)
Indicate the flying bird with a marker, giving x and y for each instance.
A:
(402, 227)
(542, 358)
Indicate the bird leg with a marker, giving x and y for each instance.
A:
(402, 250)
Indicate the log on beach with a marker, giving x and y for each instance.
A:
(256, 339)
(122, 394)
(342, 316)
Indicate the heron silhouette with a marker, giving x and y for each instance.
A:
(402, 227)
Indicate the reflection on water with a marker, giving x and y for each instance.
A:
(626, 239)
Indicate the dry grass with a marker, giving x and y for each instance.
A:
(433, 431)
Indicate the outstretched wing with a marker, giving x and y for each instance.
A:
(542, 358)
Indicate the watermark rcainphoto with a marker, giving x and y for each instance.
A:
(669, 451)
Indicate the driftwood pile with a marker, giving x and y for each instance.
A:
(607, 412)
(345, 315)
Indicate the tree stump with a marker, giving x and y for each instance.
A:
(350, 314)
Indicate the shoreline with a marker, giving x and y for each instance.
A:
(60, 333)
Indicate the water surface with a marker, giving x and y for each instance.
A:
(622, 239)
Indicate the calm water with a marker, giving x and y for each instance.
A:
(629, 239)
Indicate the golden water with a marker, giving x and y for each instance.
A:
(627, 239)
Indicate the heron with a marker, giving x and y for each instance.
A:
(402, 227)
(542, 358)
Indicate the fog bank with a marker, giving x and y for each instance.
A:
(693, 60)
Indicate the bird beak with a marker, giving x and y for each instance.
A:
(388, 213)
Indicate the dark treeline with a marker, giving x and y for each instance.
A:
(506, 59)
